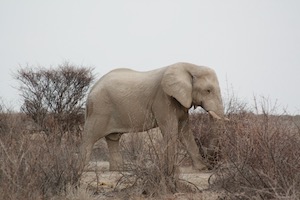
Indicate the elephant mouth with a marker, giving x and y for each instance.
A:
(212, 113)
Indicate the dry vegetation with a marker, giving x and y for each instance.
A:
(259, 153)
(260, 157)
(145, 159)
(35, 166)
(39, 147)
(54, 95)
(257, 157)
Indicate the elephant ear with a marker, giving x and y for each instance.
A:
(177, 82)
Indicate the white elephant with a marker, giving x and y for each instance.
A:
(125, 100)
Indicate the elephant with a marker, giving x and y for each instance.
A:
(124, 100)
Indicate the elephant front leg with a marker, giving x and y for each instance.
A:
(170, 134)
(187, 138)
(115, 157)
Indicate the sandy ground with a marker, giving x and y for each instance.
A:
(99, 179)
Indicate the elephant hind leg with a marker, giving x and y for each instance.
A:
(115, 157)
(86, 150)
(93, 131)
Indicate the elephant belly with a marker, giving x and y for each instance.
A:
(132, 122)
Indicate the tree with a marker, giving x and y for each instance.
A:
(54, 95)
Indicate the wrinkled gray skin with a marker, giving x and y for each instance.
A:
(125, 100)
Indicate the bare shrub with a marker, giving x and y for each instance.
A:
(3, 120)
(148, 170)
(207, 133)
(260, 156)
(41, 163)
(35, 166)
(54, 95)
(77, 194)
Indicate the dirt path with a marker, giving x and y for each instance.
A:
(98, 178)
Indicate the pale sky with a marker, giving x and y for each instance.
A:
(253, 45)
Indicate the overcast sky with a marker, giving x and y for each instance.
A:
(253, 45)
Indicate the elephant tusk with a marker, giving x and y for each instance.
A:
(214, 115)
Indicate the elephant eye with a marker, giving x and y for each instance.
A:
(208, 91)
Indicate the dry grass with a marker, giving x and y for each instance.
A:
(207, 133)
(146, 161)
(260, 156)
(257, 157)
(35, 166)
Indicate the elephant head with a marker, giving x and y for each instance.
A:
(193, 85)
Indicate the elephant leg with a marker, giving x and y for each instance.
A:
(169, 132)
(166, 118)
(92, 133)
(187, 138)
(86, 150)
(115, 157)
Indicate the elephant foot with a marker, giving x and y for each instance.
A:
(116, 167)
(200, 167)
